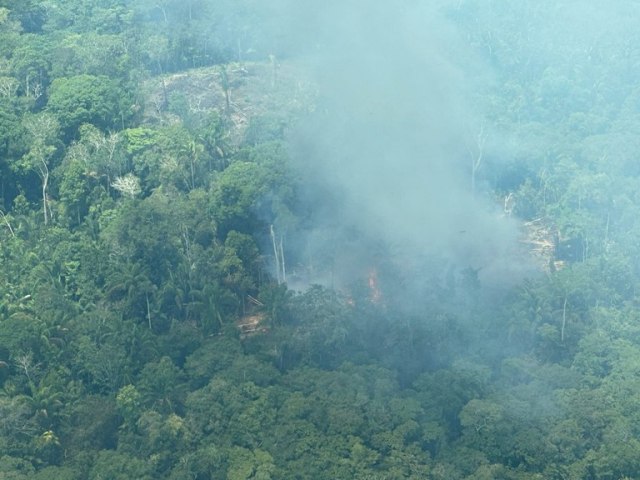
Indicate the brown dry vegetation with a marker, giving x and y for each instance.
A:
(253, 89)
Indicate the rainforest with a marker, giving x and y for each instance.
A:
(252, 240)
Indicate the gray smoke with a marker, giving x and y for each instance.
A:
(387, 157)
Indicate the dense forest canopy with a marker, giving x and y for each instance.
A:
(255, 240)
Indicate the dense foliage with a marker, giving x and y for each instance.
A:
(135, 235)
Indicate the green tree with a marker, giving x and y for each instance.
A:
(161, 385)
(31, 65)
(88, 99)
(9, 32)
(250, 465)
(119, 466)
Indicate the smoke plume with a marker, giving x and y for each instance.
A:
(388, 157)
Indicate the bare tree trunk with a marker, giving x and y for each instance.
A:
(276, 254)
(564, 319)
(45, 181)
(7, 223)
(476, 153)
(283, 272)
(164, 13)
(193, 174)
(224, 81)
(165, 96)
(274, 70)
(148, 310)
(544, 187)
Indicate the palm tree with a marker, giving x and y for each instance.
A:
(45, 404)
(130, 285)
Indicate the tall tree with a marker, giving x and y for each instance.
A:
(43, 128)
